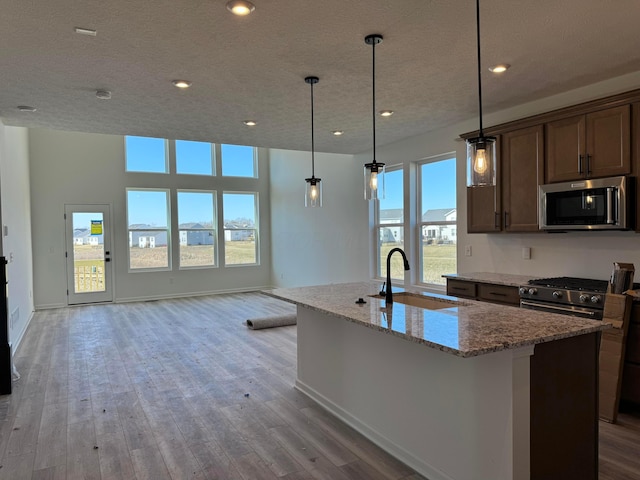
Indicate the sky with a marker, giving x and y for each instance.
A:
(199, 158)
(438, 186)
(192, 158)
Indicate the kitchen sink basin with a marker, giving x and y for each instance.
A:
(420, 301)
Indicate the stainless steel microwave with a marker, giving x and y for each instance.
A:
(597, 204)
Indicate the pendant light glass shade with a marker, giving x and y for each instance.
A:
(313, 192)
(374, 171)
(313, 188)
(374, 181)
(481, 161)
(481, 150)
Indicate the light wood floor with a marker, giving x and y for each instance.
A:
(180, 389)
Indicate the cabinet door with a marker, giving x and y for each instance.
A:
(565, 149)
(522, 171)
(608, 142)
(482, 210)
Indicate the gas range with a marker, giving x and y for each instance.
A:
(580, 297)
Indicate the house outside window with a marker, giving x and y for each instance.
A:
(438, 217)
(148, 229)
(389, 224)
(241, 244)
(197, 228)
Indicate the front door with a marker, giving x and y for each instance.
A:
(88, 251)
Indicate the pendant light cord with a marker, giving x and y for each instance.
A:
(312, 137)
(373, 96)
(479, 65)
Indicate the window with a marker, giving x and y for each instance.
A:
(238, 161)
(437, 222)
(196, 224)
(145, 154)
(389, 230)
(148, 220)
(194, 158)
(240, 228)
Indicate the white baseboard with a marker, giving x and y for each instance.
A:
(387, 445)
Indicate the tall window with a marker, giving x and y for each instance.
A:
(389, 229)
(196, 224)
(240, 228)
(437, 222)
(238, 161)
(194, 158)
(148, 225)
(145, 154)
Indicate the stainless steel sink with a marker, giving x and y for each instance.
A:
(420, 301)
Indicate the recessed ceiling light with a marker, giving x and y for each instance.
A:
(250, 123)
(182, 83)
(103, 94)
(338, 133)
(240, 7)
(85, 31)
(386, 113)
(503, 67)
(26, 108)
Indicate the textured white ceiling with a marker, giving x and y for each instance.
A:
(254, 67)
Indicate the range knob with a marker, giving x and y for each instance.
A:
(557, 294)
(584, 298)
(523, 290)
(595, 299)
(533, 291)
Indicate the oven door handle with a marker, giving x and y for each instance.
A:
(555, 307)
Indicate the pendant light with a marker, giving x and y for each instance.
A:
(313, 189)
(481, 151)
(374, 171)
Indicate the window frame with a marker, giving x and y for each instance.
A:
(169, 267)
(213, 229)
(167, 169)
(422, 225)
(377, 225)
(256, 227)
(219, 155)
(215, 154)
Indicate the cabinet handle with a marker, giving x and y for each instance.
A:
(506, 216)
(496, 219)
(580, 163)
(498, 294)
(588, 164)
(461, 289)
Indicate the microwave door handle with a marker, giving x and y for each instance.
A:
(610, 212)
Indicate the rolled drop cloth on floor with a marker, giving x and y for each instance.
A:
(271, 321)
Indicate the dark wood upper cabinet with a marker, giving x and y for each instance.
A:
(594, 145)
(482, 210)
(522, 172)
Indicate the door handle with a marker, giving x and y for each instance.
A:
(107, 259)
(580, 163)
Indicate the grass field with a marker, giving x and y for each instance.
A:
(89, 261)
(438, 260)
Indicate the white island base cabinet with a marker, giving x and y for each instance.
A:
(447, 417)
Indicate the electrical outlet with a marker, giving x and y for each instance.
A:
(467, 251)
(526, 253)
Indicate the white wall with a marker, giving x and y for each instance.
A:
(312, 246)
(15, 202)
(82, 168)
(589, 254)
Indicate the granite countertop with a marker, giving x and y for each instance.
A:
(465, 328)
(494, 278)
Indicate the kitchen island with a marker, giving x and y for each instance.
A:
(459, 389)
